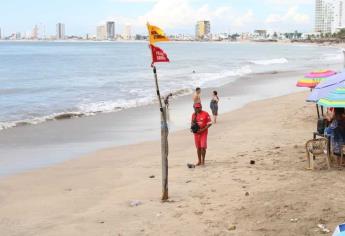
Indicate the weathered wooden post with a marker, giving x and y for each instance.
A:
(164, 141)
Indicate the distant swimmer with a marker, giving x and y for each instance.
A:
(193, 71)
(197, 95)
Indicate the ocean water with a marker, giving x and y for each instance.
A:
(42, 81)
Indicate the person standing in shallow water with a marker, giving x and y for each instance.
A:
(214, 105)
(203, 120)
(197, 96)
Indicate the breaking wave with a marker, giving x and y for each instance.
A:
(270, 61)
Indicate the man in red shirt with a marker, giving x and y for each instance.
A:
(203, 119)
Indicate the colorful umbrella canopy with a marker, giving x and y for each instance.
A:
(320, 74)
(309, 82)
(326, 86)
(339, 230)
(335, 98)
(312, 79)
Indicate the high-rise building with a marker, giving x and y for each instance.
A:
(18, 36)
(101, 33)
(60, 31)
(34, 33)
(339, 15)
(329, 15)
(110, 27)
(0, 34)
(202, 30)
(127, 32)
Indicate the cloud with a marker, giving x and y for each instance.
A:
(180, 16)
(291, 16)
(134, 1)
(245, 19)
(290, 2)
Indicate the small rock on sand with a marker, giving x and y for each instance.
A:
(232, 227)
(246, 194)
(152, 176)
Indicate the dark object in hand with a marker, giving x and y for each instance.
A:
(195, 127)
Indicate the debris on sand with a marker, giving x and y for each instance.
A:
(190, 166)
(323, 228)
(135, 203)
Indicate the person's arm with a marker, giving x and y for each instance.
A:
(205, 128)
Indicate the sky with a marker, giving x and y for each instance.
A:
(175, 16)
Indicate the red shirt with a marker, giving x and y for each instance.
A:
(203, 119)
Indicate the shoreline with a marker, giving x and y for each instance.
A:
(34, 146)
(49, 143)
(92, 195)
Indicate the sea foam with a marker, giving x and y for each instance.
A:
(270, 61)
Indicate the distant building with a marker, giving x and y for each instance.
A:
(202, 30)
(127, 32)
(339, 15)
(18, 36)
(260, 33)
(60, 31)
(110, 30)
(329, 16)
(101, 33)
(34, 33)
(0, 34)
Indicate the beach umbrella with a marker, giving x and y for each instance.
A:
(309, 82)
(335, 98)
(325, 87)
(320, 74)
(339, 230)
(312, 79)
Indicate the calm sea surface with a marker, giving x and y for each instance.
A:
(40, 81)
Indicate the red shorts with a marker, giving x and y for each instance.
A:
(200, 140)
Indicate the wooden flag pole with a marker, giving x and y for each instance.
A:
(164, 141)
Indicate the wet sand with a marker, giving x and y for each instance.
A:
(35, 146)
(276, 196)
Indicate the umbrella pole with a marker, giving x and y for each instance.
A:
(322, 111)
(318, 112)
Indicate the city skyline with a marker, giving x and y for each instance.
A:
(82, 17)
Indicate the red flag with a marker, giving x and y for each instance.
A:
(158, 55)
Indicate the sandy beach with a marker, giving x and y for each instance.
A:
(276, 196)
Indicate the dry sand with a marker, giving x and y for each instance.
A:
(91, 195)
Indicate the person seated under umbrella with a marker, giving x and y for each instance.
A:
(336, 130)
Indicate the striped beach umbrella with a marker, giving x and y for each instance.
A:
(320, 74)
(339, 230)
(335, 98)
(309, 82)
(312, 79)
(325, 87)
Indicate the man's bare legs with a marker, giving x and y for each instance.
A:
(199, 151)
(203, 155)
